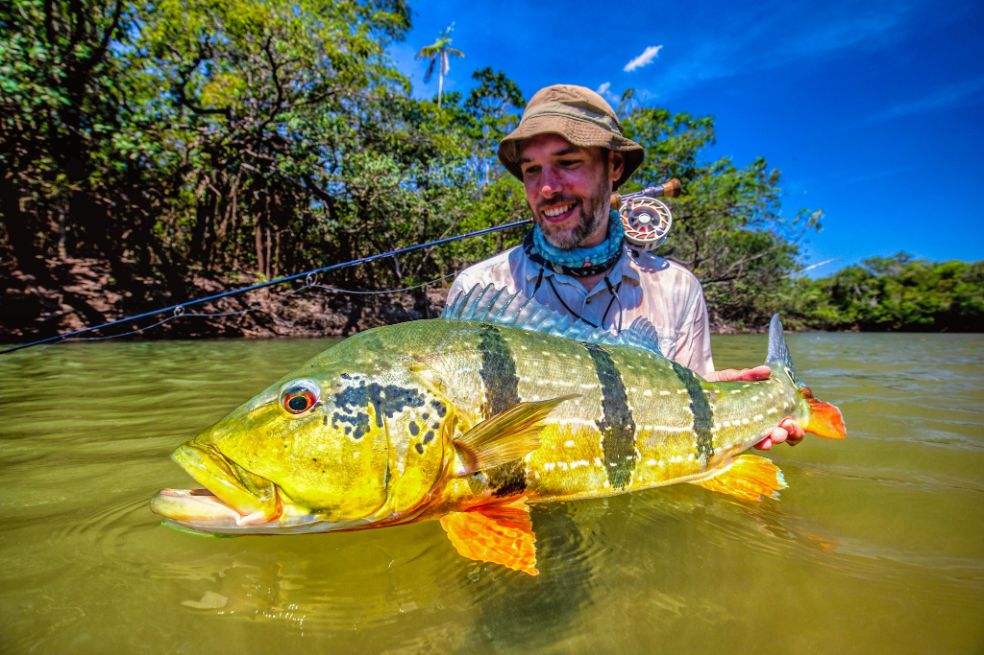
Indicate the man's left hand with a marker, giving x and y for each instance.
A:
(788, 429)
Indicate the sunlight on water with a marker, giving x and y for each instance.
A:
(877, 545)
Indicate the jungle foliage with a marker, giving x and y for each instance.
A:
(893, 293)
(242, 139)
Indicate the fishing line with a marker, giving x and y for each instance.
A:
(178, 308)
(633, 216)
(253, 307)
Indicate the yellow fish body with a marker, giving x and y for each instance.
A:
(467, 419)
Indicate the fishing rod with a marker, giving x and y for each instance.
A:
(667, 188)
(178, 307)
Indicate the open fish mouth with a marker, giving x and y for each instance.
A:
(234, 501)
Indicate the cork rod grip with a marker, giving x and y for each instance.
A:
(670, 189)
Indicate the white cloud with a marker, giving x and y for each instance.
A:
(644, 59)
(605, 91)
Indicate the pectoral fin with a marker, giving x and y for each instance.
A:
(506, 437)
(501, 533)
(748, 477)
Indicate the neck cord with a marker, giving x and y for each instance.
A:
(612, 289)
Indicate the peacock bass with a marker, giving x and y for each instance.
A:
(471, 417)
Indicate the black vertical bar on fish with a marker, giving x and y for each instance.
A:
(617, 425)
(501, 382)
(701, 408)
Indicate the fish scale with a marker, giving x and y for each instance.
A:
(663, 443)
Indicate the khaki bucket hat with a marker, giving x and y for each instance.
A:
(579, 115)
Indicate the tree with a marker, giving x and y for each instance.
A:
(894, 293)
(492, 107)
(61, 89)
(438, 53)
(728, 227)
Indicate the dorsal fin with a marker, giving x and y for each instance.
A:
(642, 334)
(778, 351)
(491, 304)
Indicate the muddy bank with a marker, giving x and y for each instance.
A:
(82, 293)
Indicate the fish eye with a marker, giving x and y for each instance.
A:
(299, 396)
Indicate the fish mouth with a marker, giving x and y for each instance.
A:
(234, 500)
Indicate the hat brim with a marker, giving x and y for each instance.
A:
(577, 132)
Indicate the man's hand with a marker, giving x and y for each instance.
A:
(788, 430)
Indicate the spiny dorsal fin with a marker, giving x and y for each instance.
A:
(505, 437)
(642, 334)
(778, 351)
(491, 304)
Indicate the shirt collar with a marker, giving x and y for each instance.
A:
(625, 269)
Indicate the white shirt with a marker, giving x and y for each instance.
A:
(664, 292)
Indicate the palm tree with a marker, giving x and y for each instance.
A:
(439, 51)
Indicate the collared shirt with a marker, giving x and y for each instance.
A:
(646, 285)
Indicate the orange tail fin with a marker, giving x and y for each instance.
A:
(825, 419)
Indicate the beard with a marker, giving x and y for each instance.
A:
(591, 214)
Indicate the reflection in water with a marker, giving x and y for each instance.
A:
(535, 611)
(878, 544)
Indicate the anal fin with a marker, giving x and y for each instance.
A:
(748, 477)
(500, 533)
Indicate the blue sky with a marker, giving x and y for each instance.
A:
(873, 111)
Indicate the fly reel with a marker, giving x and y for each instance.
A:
(646, 219)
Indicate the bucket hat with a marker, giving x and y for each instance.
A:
(580, 116)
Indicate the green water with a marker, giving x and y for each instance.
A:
(877, 545)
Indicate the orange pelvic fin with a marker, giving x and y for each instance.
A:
(825, 419)
(500, 533)
(748, 477)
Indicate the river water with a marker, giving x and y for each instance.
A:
(876, 546)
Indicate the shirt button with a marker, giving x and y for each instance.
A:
(588, 301)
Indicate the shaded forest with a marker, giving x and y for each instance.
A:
(152, 152)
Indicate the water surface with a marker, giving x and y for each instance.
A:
(877, 545)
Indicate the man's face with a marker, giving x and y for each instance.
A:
(569, 189)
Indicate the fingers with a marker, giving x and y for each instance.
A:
(778, 435)
(758, 373)
(742, 375)
(795, 432)
(788, 431)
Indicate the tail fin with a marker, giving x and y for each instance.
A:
(825, 419)
(778, 352)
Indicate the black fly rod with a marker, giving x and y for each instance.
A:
(269, 283)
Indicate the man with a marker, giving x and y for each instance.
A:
(569, 152)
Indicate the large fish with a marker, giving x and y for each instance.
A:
(470, 417)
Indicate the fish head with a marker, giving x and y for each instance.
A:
(314, 452)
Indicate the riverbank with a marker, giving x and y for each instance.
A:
(82, 293)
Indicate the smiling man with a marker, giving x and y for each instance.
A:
(570, 154)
